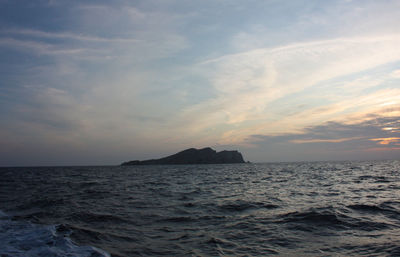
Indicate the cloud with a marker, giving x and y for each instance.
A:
(386, 140)
(396, 74)
(255, 89)
(40, 47)
(330, 141)
(161, 75)
(153, 31)
(335, 132)
(337, 140)
(95, 32)
(67, 35)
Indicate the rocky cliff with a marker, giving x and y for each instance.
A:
(194, 156)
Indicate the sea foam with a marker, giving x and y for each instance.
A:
(21, 238)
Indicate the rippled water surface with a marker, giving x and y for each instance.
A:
(288, 209)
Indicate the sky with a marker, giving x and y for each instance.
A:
(102, 82)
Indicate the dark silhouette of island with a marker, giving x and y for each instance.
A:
(194, 156)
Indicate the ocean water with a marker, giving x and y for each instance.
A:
(283, 209)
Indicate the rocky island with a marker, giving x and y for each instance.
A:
(194, 156)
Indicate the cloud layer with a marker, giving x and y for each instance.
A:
(98, 83)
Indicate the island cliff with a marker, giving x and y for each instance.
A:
(194, 156)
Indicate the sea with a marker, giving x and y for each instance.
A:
(346, 208)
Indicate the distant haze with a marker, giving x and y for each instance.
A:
(102, 82)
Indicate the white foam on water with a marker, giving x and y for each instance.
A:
(19, 238)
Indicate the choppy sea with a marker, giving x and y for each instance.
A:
(286, 209)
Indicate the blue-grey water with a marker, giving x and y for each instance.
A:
(286, 209)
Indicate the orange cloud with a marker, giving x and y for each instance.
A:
(386, 140)
(339, 140)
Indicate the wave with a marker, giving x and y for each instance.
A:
(301, 209)
(91, 217)
(312, 219)
(20, 238)
(366, 208)
(331, 218)
(178, 219)
(240, 205)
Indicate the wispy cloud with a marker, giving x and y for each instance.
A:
(66, 35)
(255, 90)
(386, 140)
(338, 140)
(36, 47)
